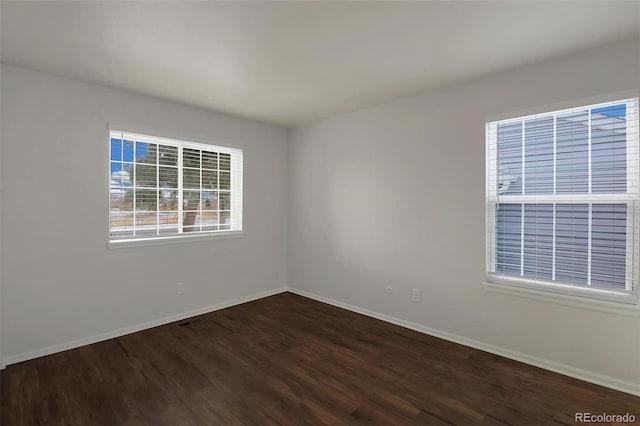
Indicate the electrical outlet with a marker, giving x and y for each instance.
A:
(389, 289)
(415, 295)
(180, 288)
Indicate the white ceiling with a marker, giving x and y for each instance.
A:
(289, 63)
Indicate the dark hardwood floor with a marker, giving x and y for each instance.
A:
(286, 359)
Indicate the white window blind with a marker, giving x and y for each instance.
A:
(166, 188)
(562, 201)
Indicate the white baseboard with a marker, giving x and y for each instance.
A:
(567, 370)
(25, 356)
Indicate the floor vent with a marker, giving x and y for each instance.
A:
(190, 322)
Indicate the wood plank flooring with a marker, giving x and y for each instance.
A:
(287, 359)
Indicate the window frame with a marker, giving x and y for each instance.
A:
(631, 197)
(236, 227)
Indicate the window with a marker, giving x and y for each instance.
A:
(163, 188)
(562, 201)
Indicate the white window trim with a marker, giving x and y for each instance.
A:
(175, 239)
(560, 106)
(236, 188)
(521, 285)
(563, 299)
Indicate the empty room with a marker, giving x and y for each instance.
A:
(319, 212)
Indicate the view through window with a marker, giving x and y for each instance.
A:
(562, 201)
(161, 187)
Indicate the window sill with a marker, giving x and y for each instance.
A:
(623, 309)
(156, 241)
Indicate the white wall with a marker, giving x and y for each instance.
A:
(1, 361)
(394, 195)
(60, 283)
